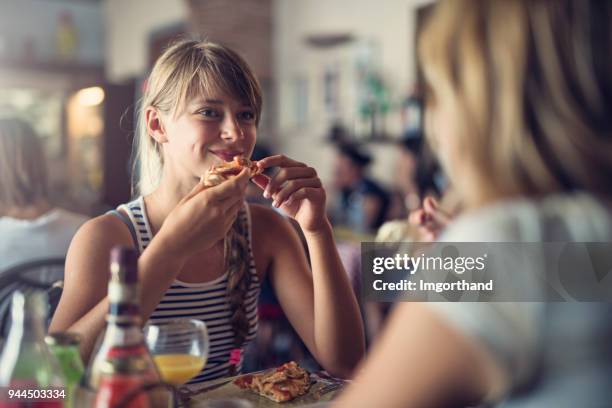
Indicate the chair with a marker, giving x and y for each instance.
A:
(40, 274)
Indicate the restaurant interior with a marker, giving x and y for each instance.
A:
(344, 85)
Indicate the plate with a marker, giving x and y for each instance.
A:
(228, 391)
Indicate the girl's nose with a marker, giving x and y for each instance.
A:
(231, 130)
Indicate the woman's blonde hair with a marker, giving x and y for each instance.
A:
(530, 83)
(23, 170)
(186, 69)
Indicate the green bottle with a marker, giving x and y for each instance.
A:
(65, 347)
(26, 363)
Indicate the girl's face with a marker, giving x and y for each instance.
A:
(209, 131)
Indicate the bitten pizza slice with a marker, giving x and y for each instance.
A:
(219, 173)
(280, 385)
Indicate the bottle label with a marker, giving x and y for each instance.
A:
(116, 388)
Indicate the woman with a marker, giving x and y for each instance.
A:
(30, 227)
(204, 248)
(519, 103)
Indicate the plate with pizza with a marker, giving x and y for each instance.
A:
(288, 385)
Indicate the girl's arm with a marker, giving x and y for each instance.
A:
(197, 222)
(83, 305)
(339, 332)
(321, 305)
(421, 361)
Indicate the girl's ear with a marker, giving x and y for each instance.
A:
(155, 126)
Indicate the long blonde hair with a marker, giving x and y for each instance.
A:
(23, 169)
(186, 69)
(530, 84)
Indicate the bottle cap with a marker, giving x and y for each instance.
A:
(124, 261)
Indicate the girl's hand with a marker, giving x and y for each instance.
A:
(296, 189)
(430, 219)
(204, 216)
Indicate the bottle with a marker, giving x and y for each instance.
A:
(123, 339)
(26, 363)
(121, 384)
(65, 348)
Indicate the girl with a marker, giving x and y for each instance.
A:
(519, 103)
(201, 107)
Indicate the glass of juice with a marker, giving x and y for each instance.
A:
(179, 348)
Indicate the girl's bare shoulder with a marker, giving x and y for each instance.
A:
(104, 231)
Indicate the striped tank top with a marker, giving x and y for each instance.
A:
(206, 301)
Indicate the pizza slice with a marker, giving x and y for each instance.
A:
(280, 384)
(221, 172)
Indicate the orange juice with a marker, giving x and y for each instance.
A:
(177, 369)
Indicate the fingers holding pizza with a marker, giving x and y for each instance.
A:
(296, 189)
(222, 172)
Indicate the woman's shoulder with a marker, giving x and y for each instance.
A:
(104, 230)
(563, 217)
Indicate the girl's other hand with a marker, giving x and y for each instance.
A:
(296, 189)
(204, 216)
(430, 219)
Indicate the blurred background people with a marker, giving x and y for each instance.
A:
(418, 176)
(520, 101)
(361, 203)
(30, 226)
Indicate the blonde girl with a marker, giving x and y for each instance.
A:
(519, 103)
(204, 252)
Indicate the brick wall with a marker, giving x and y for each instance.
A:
(243, 25)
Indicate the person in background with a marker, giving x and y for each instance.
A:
(414, 179)
(361, 204)
(30, 227)
(407, 166)
(417, 183)
(519, 101)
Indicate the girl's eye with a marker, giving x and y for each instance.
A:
(247, 116)
(209, 113)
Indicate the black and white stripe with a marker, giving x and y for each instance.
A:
(206, 301)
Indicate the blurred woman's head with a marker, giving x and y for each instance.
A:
(349, 165)
(23, 171)
(187, 70)
(519, 96)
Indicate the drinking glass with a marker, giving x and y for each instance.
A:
(179, 348)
